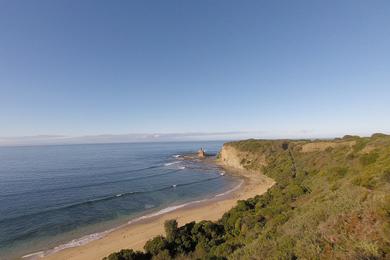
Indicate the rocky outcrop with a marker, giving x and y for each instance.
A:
(201, 153)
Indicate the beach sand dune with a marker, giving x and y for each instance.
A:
(136, 234)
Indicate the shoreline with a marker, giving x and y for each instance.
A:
(141, 219)
(136, 232)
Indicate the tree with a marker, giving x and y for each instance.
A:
(156, 245)
(128, 254)
(170, 227)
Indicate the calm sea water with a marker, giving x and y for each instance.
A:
(55, 195)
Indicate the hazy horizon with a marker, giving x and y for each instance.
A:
(164, 137)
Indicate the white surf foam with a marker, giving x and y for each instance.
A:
(171, 163)
(95, 236)
(230, 191)
(73, 243)
(164, 211)
(36, 255)
(172, 208)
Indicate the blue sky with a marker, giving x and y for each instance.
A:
(267, 68)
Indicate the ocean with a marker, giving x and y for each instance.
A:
(59, 196)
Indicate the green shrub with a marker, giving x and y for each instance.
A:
(128, 254)
(155, 245)
(285, 248)
(293, 191)
(365, 181)
(171, 230)
(367, 250)
(386, 175)
(336, 173)
(369, 158)
(163, 255)
(360, 144)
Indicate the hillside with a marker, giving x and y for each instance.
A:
(331, 200)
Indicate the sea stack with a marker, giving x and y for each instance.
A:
(201, 153)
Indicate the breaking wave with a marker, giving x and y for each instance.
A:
(91, 237)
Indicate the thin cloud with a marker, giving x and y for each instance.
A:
(110, 138)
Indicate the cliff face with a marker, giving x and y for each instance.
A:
(232, 156)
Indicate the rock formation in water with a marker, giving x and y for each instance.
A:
(201, 153)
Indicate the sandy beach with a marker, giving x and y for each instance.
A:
(136, 234)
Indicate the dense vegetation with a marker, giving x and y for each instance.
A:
(331, 201)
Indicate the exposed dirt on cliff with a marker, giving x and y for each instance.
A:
(232, 157)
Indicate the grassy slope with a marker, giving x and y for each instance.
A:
(336, 206)
(328, 203)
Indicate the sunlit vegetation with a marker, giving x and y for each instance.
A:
(332, 203)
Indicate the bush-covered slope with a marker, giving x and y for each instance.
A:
(331, 201)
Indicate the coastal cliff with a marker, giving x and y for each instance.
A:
(232, 156)
(331, 200)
